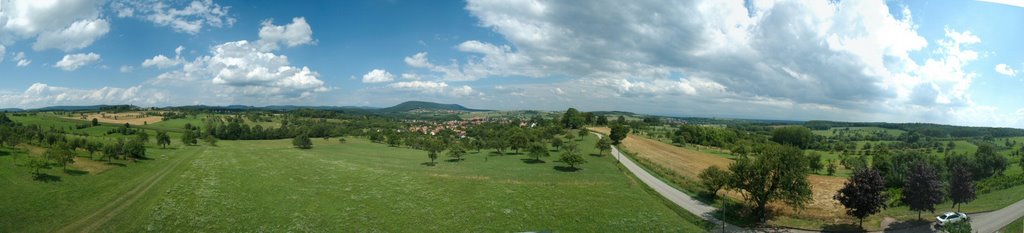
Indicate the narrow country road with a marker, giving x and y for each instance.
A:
(983, 222)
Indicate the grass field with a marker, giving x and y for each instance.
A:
(1015, 227)
(356, 186)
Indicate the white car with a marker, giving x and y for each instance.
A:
(950, 217)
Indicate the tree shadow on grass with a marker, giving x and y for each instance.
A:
(910, 226)
(4, 153)
(567, 169)
(454, 160)
(532, 161)
(74, 172)
(46, 178)
(737, 214)
(842, 227)
(428, 164)
(596, 155)
(494, 153)
(119, 164)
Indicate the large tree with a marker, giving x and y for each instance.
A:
(961, 186)
(433, 147)
(987, 162)
(163, 139)
(538, 150)
(557, 143)
(863, 194)
(922, 190)
(571, 155)
(302, 142)
(778, 174)
(618, 133)
(713, 179)
(61, 154)
(456, 150)
(797, 136)
(603, 144)
(572, 119)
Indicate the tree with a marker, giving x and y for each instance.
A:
(988, 163)
(571, 155)
(831, 168)
(457, 151)
(572, 119)
(519, 140)
(814, 162)
(961, 186)
(863, 194)
(36, 164)
(602, 120)
(95, 122)
(302, 142)
(433, 147)
(778, 174)
(618, 133)
(797, 136)
(569, 136)
(581, 133)
(142, 136)
(714, 179)
(537, 150)
(163, 139)
(603, 144)
(210, 140)
(557, 143)
(394, 140)
(189, 138)
(62, 155)
(958, 227)
(341, 140)
(922, 189)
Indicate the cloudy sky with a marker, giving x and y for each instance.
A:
(954, 62)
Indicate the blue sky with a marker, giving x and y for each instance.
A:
(953, 62)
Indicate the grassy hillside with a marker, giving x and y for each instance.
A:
(269, 186)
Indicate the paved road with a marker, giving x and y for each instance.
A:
(983, 223)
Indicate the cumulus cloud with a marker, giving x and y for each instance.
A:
(78, 35)
(247, 71)
(20, 58)
(40, 95)
(163, 62)
(378, 76)
(126, 69)
(1005, 70)
(72, 62)
(64, 25)
(431, 87)
(294, 34)
(189, 18)
(844, 56)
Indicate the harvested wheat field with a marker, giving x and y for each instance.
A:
(133, 118)
(690, 163)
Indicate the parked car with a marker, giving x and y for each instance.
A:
(950, 217)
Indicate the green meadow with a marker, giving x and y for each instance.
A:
(245, 186)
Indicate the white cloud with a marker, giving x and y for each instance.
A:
(65, 25)
(126, 69)
(244, 69)
(24, 62)
(1005, 70)
(78, 35)
(188, 19)
(161, 61)
(20, 57)
(430, 87)
(419, 60)
(850, 57)
(72, 62)
(294, 34)
(378, 76)
(1016, 3)
(3, 52)
(40, 95)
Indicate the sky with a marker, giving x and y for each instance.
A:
(947, 62)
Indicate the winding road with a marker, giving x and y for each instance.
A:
(983, 222)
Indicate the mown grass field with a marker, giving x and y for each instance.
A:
(356, 186)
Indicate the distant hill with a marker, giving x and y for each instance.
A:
(422, 105)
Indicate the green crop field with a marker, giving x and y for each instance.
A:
(356, 186)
